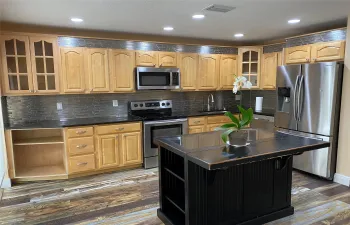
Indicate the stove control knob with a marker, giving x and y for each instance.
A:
(163, 104)
(141, 105)
(136, 105)
(168, 103)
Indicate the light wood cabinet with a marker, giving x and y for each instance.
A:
(206, 123)
(122, 64)
(167, 59)
(108, 151)
(96, 62)
(228, 68)
(147, 58)
(83, 163)
(328, 51)
(208, 72)
(269, 70)
(211, 127)
(188, 64)
(72, 66)
(298, 54)
(249, 64)
(196, 129)
(131, 145)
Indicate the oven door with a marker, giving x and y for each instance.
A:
(154, 129)
(157, 78)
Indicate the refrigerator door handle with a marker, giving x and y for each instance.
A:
(295, 107)
(299, 98)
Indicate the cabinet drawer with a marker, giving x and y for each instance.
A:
(78, 146)
(193, 121)
(80, 132)
(110, 129)
(81, 163)
(218, 119)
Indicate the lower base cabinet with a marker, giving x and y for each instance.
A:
(108, 149)
(206, 123)
(82, 163)
(131, 145)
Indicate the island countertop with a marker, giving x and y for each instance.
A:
(208, 151)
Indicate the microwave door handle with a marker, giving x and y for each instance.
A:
(171, 79)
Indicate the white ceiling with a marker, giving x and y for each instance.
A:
(259, 20)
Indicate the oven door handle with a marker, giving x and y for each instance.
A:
(165, 122)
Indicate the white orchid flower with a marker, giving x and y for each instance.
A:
(247, 84)
(241, 82)
(235, 89)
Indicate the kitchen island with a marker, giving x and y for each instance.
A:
(202, 181)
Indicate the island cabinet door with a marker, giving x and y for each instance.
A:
(109, 151)
(188, 64)
(96, 62)
(208, 72)
(122, 64)
(131, 147)
(228, 68)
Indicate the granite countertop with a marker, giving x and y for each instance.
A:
(208, 150)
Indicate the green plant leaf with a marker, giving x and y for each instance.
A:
(226, 126)
(233, 118)
(245, 116)
(225, 135)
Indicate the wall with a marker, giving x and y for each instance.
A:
(343, 158)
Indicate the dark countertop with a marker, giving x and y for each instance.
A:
(208, 150)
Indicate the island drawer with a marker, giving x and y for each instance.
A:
(192, 121)
(81, 163)
(78, 146)
(80, 132)
(123, 127)
(218, 119)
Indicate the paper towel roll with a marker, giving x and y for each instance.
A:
(258, 104)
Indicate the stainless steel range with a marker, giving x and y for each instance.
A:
(158, 121)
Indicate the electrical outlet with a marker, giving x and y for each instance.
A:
(59, 106)
(237, 97)
(115, 103)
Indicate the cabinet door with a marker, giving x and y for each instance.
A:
(96, 62)
(328, 51)
(108, 151)
(44, 52)
(72, 64)
(196, 129)
(131, 147)
(249, 64)
(208, 72)
(188, 64)
(298, 54)
(167, 59)
(269, 70)
(228, 68)
(122, 64)
(212, 127)
(146, 58)
(17, 71)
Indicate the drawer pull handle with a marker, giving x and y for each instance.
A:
(82, 164)
(197, 121)
(120, 128)
(82, 146)
(81, 132)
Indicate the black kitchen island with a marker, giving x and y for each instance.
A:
(202, 181)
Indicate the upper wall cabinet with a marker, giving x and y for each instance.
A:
(72, 66)
(146, 58)
(328, 51)
(228, 68)
(188, 64)
(298, 54)
(167, 59)
(208, 72)
(122, 64)
(249, 64)
(96, 62)
(269, 70)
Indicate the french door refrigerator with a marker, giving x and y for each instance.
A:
(308, 104)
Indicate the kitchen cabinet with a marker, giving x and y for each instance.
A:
(328, 51)
(228, 68)
(97, 71)
(131, 146)
(211, 127)
(206, 123)
(108, 151)
(208, 72)
(269, 70)
(73, 73)
(188, 64)
(147, 58)
(298, 54)
(122, 64)
(196, 129)
(167, 59)
(249, 64)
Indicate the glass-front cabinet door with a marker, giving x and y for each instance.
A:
(250, 65)
(15, 55)
(44, 52)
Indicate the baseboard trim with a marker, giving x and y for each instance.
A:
(342, 179)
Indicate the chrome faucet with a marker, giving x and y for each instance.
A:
(212, 100)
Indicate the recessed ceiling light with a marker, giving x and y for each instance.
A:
(293, 21)
(168, 28)
(198, 16)
(239, 35)
(76, 20)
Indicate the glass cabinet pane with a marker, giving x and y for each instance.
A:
(49, 65)
(21, 48)
(10, 47)
(38, 48)
(48, 48)
(51, 85)
(13, 82)
(41, 82)
(254, 80)
(246, 56)
(11, 65)
(39, 62)
(23, 81)
(254, 56)
(245, 68)
(22, 64)
(254, 68)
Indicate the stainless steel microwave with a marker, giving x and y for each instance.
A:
(149, 78)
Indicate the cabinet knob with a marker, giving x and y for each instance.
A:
(197, 122)
(82, 146)
(81, 132)
(82, 164)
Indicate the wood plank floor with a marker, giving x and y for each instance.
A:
(131, 197)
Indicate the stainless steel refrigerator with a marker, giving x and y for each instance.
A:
(308, 104)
